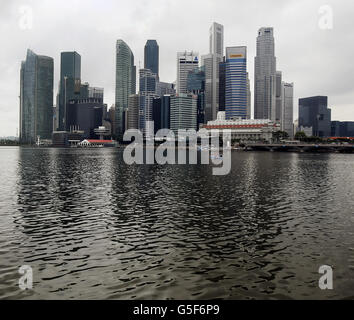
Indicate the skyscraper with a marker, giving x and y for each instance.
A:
(265, 76)
(125, 83)
(151, 56)
(314, 112)
(196, 86)
(236, 83)
(36, 98)
(278, 96)
(133, 111)
(186, 61)
(249, 97)
(287, 109)
(222, 80)
(147, 93)
(211, 62)
(70, 83)
(183, 112)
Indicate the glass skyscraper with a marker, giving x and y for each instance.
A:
(151, 56)
(36, 98)
(211, 62)
(314, 112)
(147, 93)
(70, 83)
(196, 85)
(236, 93)
(125, 83)
(265, 76)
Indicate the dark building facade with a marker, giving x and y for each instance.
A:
(222, 84)
(85, 115)
(36, 98)
(196, 85)
(156, 114)
(151, 56)
(314, 112)
(70, 83)
(342, 129)
(165, 111)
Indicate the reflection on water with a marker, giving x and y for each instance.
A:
(92, 227)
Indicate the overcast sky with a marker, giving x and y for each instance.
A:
(319, 61)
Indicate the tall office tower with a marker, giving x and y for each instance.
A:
(36, 98)
(70, 83)
(147, 93)
(186, 61)
(165, 111)
(151, 56)
(265, 76)
(183, 112)
(112, 117)
(314, 112)
(125, 83)
(94, 92)
(249, 97)
(163, 88)
(222, 80)
(211, 62)
(196, 86)
(236, 83)
(278, 96)
(287, 109)
(156, 113)
(133, 112)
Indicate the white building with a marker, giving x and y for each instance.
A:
(211, 63)
(186, 61)
(265, 76)
(183, 112)
(257, 130)
(287, 117)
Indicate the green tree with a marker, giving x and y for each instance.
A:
(300, 135)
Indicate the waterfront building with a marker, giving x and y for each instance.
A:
(133, 112)
(186, 62)
(287, 109)
(85, 115)
(265, 76)
(151, 56)
(222, 81)
(249, 98)
(196, 86)
(36, 98)
(278, 96)
(342, 129)
(236, 83)
(245, 130)
(156, 113)
(314, 112)
(211, 62)
(125, 84)
(70, 83)
(147, 93)
(183, 112)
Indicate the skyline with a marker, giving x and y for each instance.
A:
(294, 32)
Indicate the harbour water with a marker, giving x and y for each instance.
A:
(92, 227)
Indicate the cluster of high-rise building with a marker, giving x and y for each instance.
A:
(211, 92)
